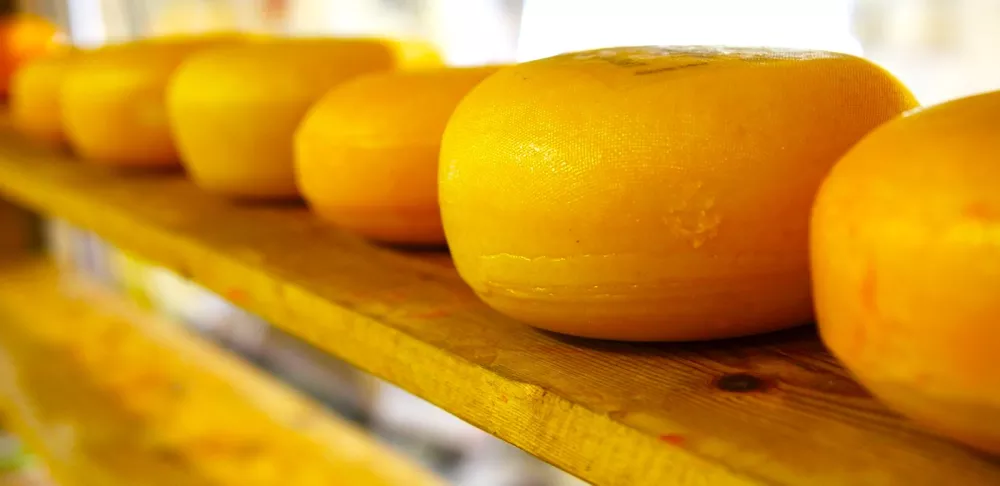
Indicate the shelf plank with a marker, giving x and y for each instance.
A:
(109, 395)
(769, 410)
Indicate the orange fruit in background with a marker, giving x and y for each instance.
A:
(367, 153)
(113, 100)
(24, 37)
(235, 110)
(34, 96)
(652, 193)
(906, 265)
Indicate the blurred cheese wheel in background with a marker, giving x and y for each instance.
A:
(367, 153)
(652, 193)
(906, 266)
(24, 37)
(113, 104)
(34, 97)
(234, 110)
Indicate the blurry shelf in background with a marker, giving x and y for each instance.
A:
(107, 395)
(768, 410)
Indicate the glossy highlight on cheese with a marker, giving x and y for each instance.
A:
(235, 110)
(652, 193)
(34, 98)
(367, 154)
(112, 100)
(906, 265)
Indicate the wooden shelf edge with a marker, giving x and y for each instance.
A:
(590, 445)
(110, 395)
(610, 413)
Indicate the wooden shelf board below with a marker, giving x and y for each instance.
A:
(109, 395)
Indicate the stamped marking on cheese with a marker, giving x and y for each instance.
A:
(643, 72)
(662, 59)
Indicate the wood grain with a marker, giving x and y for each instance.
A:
(112, 396)
(770, 410)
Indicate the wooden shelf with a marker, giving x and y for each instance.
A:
(770, 410)
(109, 395)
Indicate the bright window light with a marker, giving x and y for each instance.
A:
(550, 27)
(86, 23)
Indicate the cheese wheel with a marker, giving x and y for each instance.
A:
(234, 110)
(34, 98)
(906, 266)
(24, 37)
(367, 154)
(652, 193)
(112, 100)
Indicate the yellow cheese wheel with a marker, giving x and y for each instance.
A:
(367, 153)
(34, 99)
(906, 266)
(113, 105)
(234, 110)
(652, 193)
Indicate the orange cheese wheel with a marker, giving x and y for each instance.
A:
(34, 98)
(652, 193)
(112, 100)
(234, 110)
(367, 154)
(24, 37)
(906, 266)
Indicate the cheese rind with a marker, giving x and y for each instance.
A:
(367, 154)
(112, 100)
(652, 193)
(905, 243)
(34, 98)
(234, 110)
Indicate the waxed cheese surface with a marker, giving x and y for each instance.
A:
(651, 192)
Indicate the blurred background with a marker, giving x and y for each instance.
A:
(942, 49)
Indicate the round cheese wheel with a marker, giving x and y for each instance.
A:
(34, 97)
(234, 110)
(906, 266)
(112, 100)
(24, 37)
(367, 154)
(652, 193)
